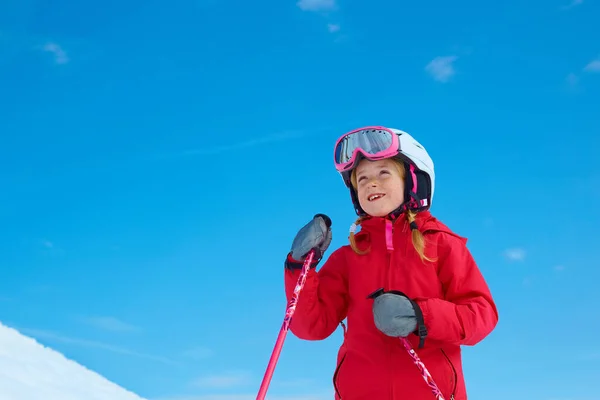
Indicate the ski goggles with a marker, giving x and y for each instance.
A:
(374, 142)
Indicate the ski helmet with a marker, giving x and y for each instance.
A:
(378, 142)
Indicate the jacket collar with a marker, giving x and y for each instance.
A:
(425, 222)
(377, 224)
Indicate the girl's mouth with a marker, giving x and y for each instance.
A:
(375, 196)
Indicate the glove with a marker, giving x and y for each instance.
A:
(314, 235)
(396, 315)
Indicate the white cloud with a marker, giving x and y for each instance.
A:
(572, 80)
(51, 336)
(50, 247)
(41, 288)
(333, 27)
(110, 324)
(441, 68)
(294, 383)
(212, 397)
(515, 254)
(249, 396)
(590, 356)
(573, 3)
(60, 56)
(198, 353)
(316, 5)
(593, 66)
(30, 371)
(226, 380)
(279, 137)
(232, 379)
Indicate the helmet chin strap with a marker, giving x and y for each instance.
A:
(411, 198)
(406, 206)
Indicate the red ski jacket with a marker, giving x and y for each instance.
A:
(457, 307)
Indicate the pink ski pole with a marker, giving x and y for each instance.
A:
(426, 375)
(291, 308)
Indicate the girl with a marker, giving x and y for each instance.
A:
(405, 274)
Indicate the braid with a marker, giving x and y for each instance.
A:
(417, 237)
(353, 239)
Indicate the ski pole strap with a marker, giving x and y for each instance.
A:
(421, 330)
(292, 264)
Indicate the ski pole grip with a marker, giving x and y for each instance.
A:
(325, 218)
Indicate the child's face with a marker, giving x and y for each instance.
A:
(380, 186)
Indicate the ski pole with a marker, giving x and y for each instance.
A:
(291, 308)
(426, 375)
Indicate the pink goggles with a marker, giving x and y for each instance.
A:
(374, 142)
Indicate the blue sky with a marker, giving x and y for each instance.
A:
(157, 159)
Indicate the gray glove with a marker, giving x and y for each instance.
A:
(396, 315)
(314, 235)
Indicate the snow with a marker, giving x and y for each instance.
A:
(30, 371)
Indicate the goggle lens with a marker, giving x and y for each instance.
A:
(370, 141)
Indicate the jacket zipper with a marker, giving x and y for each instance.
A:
(389, 283)
(453, 374)
(389, 344)
(335, 376)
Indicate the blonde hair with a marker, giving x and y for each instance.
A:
(418, 239)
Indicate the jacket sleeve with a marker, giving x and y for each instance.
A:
(323, 302)
(467, 314)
